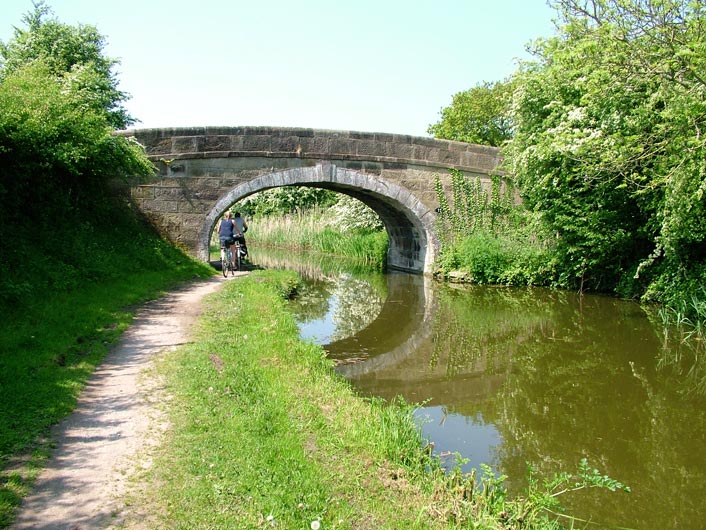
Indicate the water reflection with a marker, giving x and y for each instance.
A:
(336, 307)
(511, 376)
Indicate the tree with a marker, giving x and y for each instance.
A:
(608, 143)
(287, 200)
(74, 53)
(59, 155)
(479, 115)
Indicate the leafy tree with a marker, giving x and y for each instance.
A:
(72, 52)
(608, 143)
(479, 115)
(286, 200)
(59, 157)
(54, 152)
(350, 214)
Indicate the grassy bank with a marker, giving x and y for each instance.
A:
(264, 434)
(313, 232)
(51, 341)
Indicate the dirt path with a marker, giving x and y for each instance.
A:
(114, 424)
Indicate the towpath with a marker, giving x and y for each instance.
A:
(108, 437)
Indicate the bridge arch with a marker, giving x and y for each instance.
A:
(408, 222)
(204, 170)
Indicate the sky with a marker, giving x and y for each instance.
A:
(361, 65)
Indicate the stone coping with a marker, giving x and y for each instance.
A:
(316, 144)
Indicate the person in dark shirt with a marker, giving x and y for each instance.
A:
(227, 231)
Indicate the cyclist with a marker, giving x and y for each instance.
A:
(227, 232)
(242, 228)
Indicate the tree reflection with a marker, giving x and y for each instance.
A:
(582, 377)
(312, 300)
(358, 303)
(588, 386)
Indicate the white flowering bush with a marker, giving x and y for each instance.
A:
(349, 214)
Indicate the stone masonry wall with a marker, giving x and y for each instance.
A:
(198, 169)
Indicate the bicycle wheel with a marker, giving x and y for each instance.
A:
(225, 263)
(238, 262)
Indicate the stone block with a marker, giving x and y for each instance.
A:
(368, 147)
(360, 135)
(164, 193)
(316, 145)
(401, 151)
(342, 146)
(159, 146)
(285, 144)
(372, 168)
(386, 137)
(155, 205)
(142, 192)
(195, 206)
(185, 144)
(217, 143)
(429, 142)
(257, 143)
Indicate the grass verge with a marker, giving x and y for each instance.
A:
(48, 349)
(264, 434)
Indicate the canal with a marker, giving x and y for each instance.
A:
(526, 377)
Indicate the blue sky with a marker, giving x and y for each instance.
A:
(363, 65)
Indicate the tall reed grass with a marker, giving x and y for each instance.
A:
(314, 232)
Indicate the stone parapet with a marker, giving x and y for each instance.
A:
(315, 144)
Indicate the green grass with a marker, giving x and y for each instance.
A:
(261, 428)
(488, 258)
(50, 343)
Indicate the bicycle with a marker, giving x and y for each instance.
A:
(238, 255)
(227, 261)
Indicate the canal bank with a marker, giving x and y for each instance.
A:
(264, 434)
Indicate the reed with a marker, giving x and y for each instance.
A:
(313, 232)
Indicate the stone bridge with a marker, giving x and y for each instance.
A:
(203, 171)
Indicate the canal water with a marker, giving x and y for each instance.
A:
(516, 377)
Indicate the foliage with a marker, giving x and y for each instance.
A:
(286, 200)
(58, 164)
(313, 232)
(485, 235)
(347, 213)
(479, 115)
(351, 215)
(471, 207)
(608, 145)
(73, 54)
(543, 497)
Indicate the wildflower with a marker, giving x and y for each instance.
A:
(315, 525)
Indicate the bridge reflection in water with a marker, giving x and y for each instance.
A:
(395, 354)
